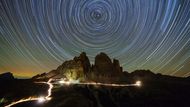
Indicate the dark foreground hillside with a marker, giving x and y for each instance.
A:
(151, 94)
(156, 91)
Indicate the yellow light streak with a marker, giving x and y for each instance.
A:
(62, 82)
(39, 99)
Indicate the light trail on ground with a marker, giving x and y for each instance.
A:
(106, 84)
(22, 100)
(138, 83)
(40, 99)
(70, 82)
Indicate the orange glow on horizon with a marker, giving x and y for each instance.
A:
(21, 73)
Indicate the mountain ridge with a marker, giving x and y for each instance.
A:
(104, 69)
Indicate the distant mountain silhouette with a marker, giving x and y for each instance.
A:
(6, 76)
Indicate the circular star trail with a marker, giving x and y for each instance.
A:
(38, 35)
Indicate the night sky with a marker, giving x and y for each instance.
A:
(36, 36)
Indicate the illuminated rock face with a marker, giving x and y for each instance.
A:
(72, 69)
(76, 68)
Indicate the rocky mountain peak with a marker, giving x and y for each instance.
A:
(79, 67)
(103, 64)
(102, 58)
(84, 61)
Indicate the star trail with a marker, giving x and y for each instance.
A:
(38, 35)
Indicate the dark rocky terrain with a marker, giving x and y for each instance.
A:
(157, 90)
(12, 89)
